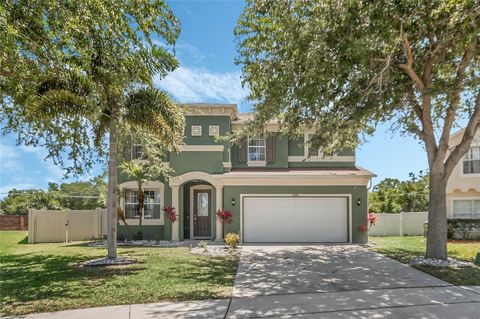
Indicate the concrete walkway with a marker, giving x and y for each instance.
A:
(318, 281)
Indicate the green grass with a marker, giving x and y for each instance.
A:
(404, 249)
(46, 277)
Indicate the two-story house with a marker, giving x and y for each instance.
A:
(278, 189)
(463, 187)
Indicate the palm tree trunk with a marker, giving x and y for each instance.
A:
(112, 189)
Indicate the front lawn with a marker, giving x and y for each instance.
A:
(404, 249)
(46, 277)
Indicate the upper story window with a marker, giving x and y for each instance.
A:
(466, 208)
(151, 204)
(471, 161)
(256, 150)
(137, 151)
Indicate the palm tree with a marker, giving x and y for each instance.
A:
(141, 173)
(104, 107)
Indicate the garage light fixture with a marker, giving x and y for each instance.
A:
(233, 201)
(359, 202)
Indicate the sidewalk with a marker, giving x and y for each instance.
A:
(188, 309)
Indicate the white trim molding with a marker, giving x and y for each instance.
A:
(227, 164)
(266, 178)
(201, 148)
(299, 159)
(176, 181)
(256, 163)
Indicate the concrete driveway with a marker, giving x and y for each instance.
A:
(340, 281)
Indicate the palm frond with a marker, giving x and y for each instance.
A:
(67, 95)
(154, 111)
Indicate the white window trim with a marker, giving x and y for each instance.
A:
(256, 163)
(460, 164)
(452, 215)
(156, 186)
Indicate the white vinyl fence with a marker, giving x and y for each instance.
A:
(56, 226)
(402, 224)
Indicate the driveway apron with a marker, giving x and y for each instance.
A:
(340, 281)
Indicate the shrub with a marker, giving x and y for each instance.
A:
(463, 228)
(232, 240)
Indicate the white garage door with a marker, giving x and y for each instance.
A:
(295, 219)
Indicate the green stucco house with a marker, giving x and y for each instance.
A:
(278, 189)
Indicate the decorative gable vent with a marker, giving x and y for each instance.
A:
(196, 130)
(213, 130)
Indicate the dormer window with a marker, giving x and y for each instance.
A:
(471, 161)
(256, 150)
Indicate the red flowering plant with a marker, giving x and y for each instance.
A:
(372, 220)
(363, 228)
(224, 216)
(170, 213)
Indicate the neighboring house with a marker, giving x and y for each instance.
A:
(278, 189)
(463, 187)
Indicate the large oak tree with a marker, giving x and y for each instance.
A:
(341, 67)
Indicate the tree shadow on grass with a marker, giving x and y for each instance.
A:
(30, 277)
(23, 241)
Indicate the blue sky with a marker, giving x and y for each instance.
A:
(207, 73)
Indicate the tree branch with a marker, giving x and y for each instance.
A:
(455, 97)
(462, 148)
(408, 67)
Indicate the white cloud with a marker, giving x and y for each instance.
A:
(190, 85)
(9, 157)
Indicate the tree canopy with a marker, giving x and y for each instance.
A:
(341, 67)
(89, 194)
(394, 196)
(64, 64)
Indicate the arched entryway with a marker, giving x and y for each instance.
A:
(197, 195)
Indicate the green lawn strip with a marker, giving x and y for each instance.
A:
(46, 277)
(404, 249)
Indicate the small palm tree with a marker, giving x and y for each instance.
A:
(141, 173)
(142, 108)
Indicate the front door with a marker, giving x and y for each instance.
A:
(201, 213)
